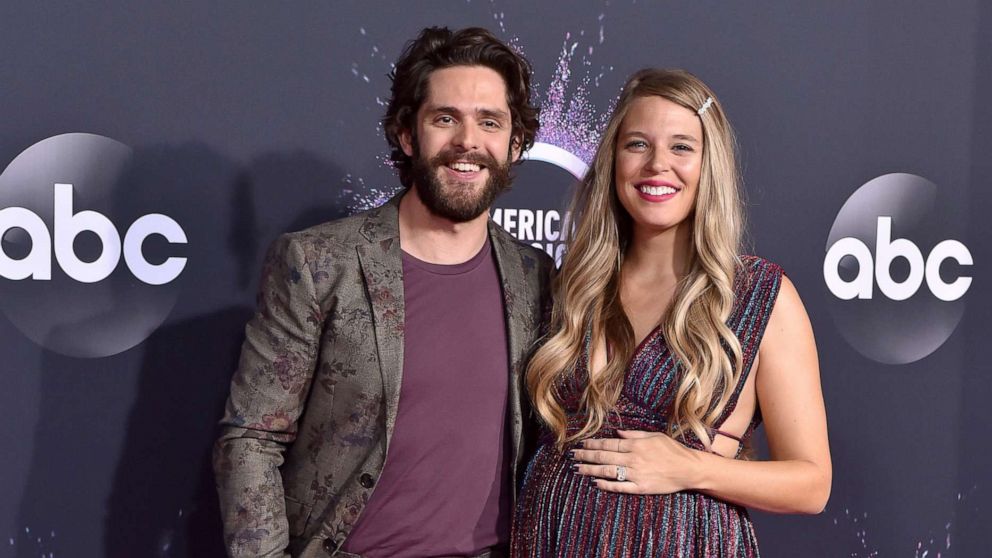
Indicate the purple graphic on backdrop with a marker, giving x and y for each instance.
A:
(571, 125)
(569, 120)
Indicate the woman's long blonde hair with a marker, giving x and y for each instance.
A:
(587, 290)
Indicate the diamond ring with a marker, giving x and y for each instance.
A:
(621, 473)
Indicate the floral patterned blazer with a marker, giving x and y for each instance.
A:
(314, 400)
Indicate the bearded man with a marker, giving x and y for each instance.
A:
(378, 407)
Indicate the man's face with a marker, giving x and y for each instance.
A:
(462, 148)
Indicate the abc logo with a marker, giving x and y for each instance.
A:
(38, 263)
(85, 269)
(887, 251)
(898, 277)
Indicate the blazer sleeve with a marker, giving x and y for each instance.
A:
(268, 392)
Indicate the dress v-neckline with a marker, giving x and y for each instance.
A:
(655, 331)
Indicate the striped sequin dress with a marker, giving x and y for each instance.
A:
(560, 514)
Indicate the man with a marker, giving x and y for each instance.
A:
(378, 408)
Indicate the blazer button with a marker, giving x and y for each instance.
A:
(330, 545)
(366, 480)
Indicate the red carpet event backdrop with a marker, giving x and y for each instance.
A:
(151, 151)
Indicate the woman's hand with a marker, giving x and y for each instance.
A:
(649, 462)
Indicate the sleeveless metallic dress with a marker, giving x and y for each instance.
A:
(561, 514)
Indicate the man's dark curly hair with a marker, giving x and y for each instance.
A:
(439, 47)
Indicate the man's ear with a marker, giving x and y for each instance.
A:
(406, 142)
(515, 150)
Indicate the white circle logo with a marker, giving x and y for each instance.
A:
(66, 225)
(898, 279)
(557, 156)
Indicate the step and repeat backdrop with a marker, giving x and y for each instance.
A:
(152, 150)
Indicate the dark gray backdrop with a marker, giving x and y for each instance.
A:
(251, 118)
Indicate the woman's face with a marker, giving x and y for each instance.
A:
(659, 153)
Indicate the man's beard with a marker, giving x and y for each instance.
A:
(456, 201)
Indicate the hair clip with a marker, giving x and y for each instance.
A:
(706, 105)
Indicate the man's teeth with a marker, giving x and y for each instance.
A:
(465, 167)
(657, 190)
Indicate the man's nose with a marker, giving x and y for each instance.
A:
(467, 137)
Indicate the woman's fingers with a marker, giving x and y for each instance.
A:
(615, 445)
(600, 457)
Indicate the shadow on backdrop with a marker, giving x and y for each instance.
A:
(969, 531)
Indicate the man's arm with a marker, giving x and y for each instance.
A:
(267, 396)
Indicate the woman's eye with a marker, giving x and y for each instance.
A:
(637, 145)
(683, 148)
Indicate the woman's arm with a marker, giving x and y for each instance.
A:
(795, 480)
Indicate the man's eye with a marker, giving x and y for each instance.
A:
(444, 120)
(490, 124)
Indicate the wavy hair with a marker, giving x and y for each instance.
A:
(587, 305)
(437, 48)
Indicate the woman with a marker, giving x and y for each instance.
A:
(665, 343)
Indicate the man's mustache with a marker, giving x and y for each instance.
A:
(448, 156)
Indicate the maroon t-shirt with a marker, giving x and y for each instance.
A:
(445, 488)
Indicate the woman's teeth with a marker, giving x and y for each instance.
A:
(657, 190)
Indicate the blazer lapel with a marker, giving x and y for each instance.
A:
(382, 266)
(517, 301)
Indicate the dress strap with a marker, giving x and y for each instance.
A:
(756, 287)
(714, 432)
